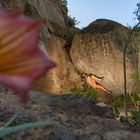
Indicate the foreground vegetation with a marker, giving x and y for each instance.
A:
(117, 104)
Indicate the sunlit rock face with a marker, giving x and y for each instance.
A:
(64, 77)
(98, 49)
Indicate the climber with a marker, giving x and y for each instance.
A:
(92, 79)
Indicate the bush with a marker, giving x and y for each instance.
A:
(87, 92)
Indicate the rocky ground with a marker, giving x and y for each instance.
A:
(79, 118)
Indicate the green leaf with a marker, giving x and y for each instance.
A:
(135, 116)
(13, 129)
(11, 120)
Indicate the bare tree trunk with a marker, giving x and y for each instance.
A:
(124, 66)
(139, 111)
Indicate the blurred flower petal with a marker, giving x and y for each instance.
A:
(21, 60)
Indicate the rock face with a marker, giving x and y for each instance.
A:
(64, 77)
(79, 118)
(98, 49)
(60, 79)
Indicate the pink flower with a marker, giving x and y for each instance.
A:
(21, 59)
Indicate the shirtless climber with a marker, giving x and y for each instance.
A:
(92, 79)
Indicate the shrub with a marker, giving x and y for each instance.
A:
(87, 92)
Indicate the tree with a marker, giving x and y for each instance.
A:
(137, 13)
(64, 2)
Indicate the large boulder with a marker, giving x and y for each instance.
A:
(98, 49)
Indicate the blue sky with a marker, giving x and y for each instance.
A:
(87, 11)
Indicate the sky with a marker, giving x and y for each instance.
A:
(86, 11)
